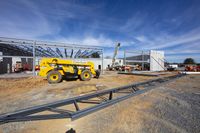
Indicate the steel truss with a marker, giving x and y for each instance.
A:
(12, 47)
(46, 49)
(137, 57)
(94, 102)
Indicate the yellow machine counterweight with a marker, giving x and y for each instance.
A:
(55, 69)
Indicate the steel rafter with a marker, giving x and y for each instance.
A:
(26, 48)
(77, 53)
(52, 52)
(14, 49)
(72, 52)
(65, 52)
(83, 53)
(59, 52)
(45, 43)
(89, 53)
(21, 43)
(44, 51)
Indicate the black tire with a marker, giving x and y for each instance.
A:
(97, 73)
(54, 77)
(86, 75)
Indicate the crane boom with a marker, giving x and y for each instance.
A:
(115, 53)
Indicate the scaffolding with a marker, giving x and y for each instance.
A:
(35, 50)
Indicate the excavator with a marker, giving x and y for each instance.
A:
(55, 69)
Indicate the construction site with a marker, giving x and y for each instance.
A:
(53, 87)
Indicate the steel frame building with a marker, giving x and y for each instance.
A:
(151, 58)
(132, 57)
(33, 49)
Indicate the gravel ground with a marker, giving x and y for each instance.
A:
(170, 108)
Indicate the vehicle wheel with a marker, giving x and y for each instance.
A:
(85, 75)
(54, 77)
(97, 73)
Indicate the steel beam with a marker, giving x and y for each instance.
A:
(52, 52)
(65, 52)
(71, 56)
(32, 113)
(77, 53)
(59, 52)
(45, 43)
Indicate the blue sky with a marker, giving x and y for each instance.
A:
(169, 25)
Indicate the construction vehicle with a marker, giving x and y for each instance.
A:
(19, 67)
(115, 65)
(55, 69)
(192, 68)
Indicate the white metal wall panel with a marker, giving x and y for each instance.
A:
(156, 60)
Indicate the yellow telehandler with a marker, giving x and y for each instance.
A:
(55, 69)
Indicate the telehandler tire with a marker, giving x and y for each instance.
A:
(86, 75)
(97, 73)
(54, 77)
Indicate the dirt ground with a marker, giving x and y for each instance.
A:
(173, 107)
(17, 93)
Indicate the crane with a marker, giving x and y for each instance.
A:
(115, 54)
(114, 65)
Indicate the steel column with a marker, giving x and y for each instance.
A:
(34, 59)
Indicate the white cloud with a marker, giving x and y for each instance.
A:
(135, 22)
(15, 22)
(184, 39)
(31, 20)
(100, 41)
(181, 58)
(143, 39)
(183, 51)
(90, 40)
(87, 40)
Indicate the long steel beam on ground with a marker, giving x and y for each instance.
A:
(110, 97)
